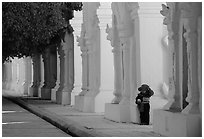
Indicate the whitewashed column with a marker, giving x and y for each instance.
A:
(54, 90)
(46, 89)
(53, 69)
(125, 43)
(125, 30)
(86, 101)
(21, 80)
(64, 94)
(14, 75)
(50, 61)
(184, 16)
(36, 75)
(8, 75)
(61, 85)
(172, 21)
(28, 75)
(92, 38)
(190, 18)
(19, 75)
(84, 56)
(18, 87)
(79, 99)
(4, 75)
(117, 54)
(53, 65)
(30, 91)
(41, 75)
(71, 63)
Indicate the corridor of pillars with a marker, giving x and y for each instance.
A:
(116, 47)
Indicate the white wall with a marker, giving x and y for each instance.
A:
(151, 34)
(107, 70)
(152, 54)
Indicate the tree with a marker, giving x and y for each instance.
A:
(30, 27)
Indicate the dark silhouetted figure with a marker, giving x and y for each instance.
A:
(142, 101)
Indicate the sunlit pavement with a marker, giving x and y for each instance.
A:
(18, 122)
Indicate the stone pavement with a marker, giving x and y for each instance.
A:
(82, 124)
(18, 122)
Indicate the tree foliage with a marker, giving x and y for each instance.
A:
(30, 27)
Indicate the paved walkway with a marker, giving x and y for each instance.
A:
(83, 124)
(18, 122)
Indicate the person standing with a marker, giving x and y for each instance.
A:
(142, 101)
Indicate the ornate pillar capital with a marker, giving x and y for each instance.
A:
(124, 21)
(133, 7)
(166, 12)
(110, 36)
(89, 15)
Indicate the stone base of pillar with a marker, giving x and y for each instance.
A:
(134, 114)
(33, 91)
(3, 85)
(39, 91)
(7, 86)
(46, 93)
(19, 88)
(93, 103)
(22, 89)
(176, 124)
(79, 103)
(53, 95)
(75, 92)
(9, 93)
(25, 89)
(117, 112)
(84, 103)
(13, 86)
(63, 98)
(89, 104)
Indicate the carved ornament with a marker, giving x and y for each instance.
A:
(124, 21)
(166, 13)
(109, 31)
